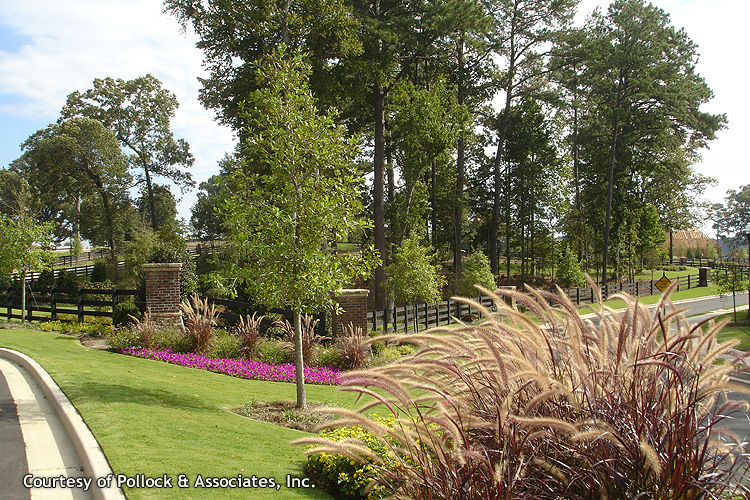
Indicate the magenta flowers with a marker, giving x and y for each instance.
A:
(243, 368)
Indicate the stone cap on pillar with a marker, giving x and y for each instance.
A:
(159, 266)
(350, 292)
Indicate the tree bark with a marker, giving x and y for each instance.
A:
(458, 209)
(607, 217)
(497, 174)
(299, 362)
(378, 200)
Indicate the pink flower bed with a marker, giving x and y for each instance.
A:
(242, 368)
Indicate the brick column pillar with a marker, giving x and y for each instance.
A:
(354, 310)
(163, 293)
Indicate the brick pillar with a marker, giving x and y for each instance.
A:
(163, 293)
(354, 310)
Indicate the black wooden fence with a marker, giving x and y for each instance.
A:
(47, 303)
(230, 312)
(417, 317)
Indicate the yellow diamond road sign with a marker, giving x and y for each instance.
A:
(663, 283)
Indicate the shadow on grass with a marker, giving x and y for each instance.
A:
(102, 392)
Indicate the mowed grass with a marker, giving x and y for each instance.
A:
(153, 418)
(740, 332)
(653, 299)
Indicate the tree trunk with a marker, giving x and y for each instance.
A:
(497, 174)
(299, 362)
(378, 200)
(458, 209)
(151, 201)
(607, 217)
(433, 203)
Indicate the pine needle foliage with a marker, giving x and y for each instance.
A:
(624, 405)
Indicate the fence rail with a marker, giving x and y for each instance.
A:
(231, 311)
(46, 303)
(416, 317)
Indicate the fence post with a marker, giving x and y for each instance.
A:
(80, 304)
(29, 304)
(689, 282)
(53, 303)
(10, 305)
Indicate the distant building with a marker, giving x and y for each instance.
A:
(689, 239)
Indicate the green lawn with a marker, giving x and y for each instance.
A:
(153, 418)
(653, 299)
(741, 332)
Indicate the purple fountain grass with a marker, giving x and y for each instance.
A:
(243, 368)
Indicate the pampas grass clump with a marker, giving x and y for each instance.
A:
(624, 405)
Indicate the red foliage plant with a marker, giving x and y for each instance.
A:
(622, 405)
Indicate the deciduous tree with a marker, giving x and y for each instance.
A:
(138, 112)
(296, 188)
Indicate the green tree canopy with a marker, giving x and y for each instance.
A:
(85, 159)
(138, 112)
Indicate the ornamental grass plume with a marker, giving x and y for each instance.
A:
(622, 405)
(200, 320)
(310, 339)
(248, 330)
(354, 350)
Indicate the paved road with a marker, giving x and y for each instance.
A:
(45, 449)
(13, 463)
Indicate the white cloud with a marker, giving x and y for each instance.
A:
(72, 42)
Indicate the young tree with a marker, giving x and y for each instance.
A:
(138, 111)
(296, 189)
(569, 273)
(732, 280)
(413, 275)
(24, 243)
(476, 271)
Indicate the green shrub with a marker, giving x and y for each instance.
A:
(122, 312)
(274, 352)
(145, 333)
(67, 279)
(343, 477)
(413, 274)
(328, 356)
(46, 278)
(386, 356)
(93, 328)
(476, 271)
(225, 345)
(569, 273)
(99, 273)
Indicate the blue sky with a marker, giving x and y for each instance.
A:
(49, 48)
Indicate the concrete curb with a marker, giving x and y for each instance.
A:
(92, 457)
